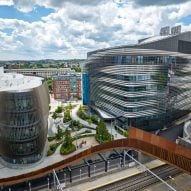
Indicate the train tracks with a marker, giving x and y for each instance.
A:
(140, 181)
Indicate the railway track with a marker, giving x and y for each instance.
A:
(140, 181)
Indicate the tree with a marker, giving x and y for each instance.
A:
(68, 139)
(54, 115)
(101, 131)
(67, 116)
(58, 109)
(67, 147)
(95, 119)
(59, 134)
(89, 121)
(49, 83)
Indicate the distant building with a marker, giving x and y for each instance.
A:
(23, 118)
(67, 87)
(13, 66)
(43, 72)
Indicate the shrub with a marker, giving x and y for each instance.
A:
(67, 116)
(95, 119)
(54, 115)
(58, 109)
(126, 133)
(67, 150)
(52, 148)
(51, 138)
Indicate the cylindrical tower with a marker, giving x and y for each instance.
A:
(23, 118)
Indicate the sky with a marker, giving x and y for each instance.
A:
(68, 29)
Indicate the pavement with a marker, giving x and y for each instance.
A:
(111, 177)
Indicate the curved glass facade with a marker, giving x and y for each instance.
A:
(145, 89)
(23, 124)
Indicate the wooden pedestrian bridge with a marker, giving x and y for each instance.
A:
(138, 140)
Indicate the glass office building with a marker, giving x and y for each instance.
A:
(23, 118)
(145, 88)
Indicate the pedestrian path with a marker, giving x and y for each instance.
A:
(109, 178)
(83, 122)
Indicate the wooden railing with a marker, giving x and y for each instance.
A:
(139, 140)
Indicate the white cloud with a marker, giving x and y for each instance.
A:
(74, 29)
(6, 2)
(24, 5)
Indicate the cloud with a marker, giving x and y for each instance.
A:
(6, 2)
(77, 27)
(158, 2)
(24, 5)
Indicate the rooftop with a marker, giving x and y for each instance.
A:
(17, 82)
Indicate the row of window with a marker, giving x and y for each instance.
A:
(119, 59)
(19, 104)
(21, 119)
(23, 148)
(21, 133)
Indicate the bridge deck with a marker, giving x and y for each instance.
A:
(145, 142)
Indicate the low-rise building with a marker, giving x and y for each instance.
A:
(43, 72)
(67, 87)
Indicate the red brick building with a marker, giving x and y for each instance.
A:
(67, 87)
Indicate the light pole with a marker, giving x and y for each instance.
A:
(65, 178)
(80, 173)
(94, 169)
(100, 138)
(111, 131)
(48, 183)
(108, 164)
(76, 139)
(29, 186)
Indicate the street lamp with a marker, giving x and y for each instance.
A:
(76, 139)
(111, 131)
(94, 169)
(29, 186)
(80, 173)
(65, 177)
(48, 183)
(108, 162)
(100, 138)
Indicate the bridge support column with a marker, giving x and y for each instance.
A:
(142, 158)
(106, 166)
(70, 174)
(89, 171)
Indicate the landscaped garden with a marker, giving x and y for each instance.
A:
(74, 130)
(89, 118)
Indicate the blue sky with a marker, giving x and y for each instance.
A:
(11, 12)
(63, 29)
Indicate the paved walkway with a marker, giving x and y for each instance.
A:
(109, 126)
(109, 178)
(83, 122)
